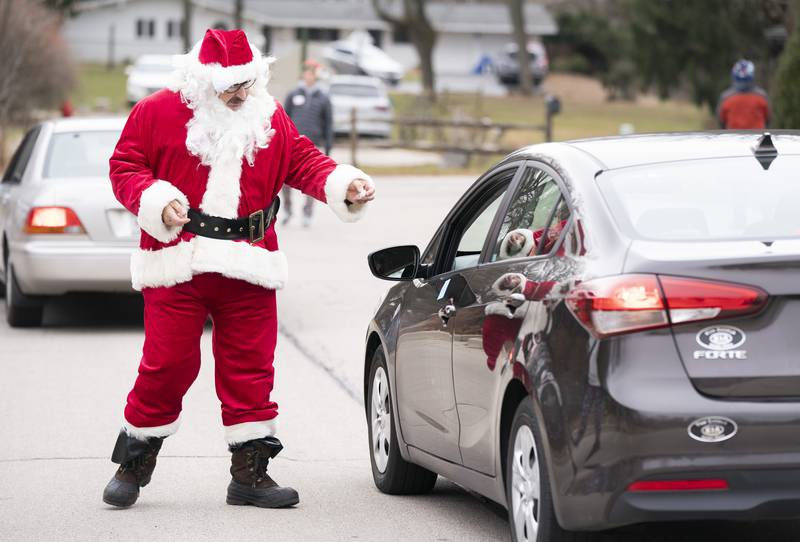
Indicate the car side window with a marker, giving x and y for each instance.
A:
(471, 243)
(428, 259)
(473, 227)
(535, 219)
(19, 161)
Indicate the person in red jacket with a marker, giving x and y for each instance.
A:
(201, 164)
(743, 106)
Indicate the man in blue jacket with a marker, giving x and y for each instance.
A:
(310, 109)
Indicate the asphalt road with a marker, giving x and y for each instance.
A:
(63, 387)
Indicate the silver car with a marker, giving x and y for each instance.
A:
(357, 55)
(368, 96)
(61, 227)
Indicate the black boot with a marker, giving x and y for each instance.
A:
(250, 483)
(136, 459)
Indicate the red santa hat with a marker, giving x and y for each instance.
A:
(221, 59)
(229, 56)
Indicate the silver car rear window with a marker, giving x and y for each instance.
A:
(706, 200)
(80, 154)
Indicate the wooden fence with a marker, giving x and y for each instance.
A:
(467, 137)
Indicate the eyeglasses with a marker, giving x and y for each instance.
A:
(235, 88)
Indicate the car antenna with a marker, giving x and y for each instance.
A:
(765, 151)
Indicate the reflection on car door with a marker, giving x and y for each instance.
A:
(424, 371)
(485, 331)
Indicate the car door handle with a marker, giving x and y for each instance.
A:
(447, 312)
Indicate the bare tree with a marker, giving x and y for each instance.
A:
(414, 21)
(186, 27)
(37, 70)
(517, 12)
(238, 8)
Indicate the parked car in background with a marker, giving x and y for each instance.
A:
(368, 96)
(357, 55)
(507, 63)
(147, 75)
(62, 230)
(601, 333)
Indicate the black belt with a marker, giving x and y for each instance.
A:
(249, 227)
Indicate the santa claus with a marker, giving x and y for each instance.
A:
(200, 165)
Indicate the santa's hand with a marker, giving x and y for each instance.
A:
(174, 214)
(360, 191)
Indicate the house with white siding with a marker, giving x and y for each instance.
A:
(122, 30)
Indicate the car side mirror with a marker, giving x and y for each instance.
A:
(395, 263)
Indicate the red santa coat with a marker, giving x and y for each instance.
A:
(151, 166)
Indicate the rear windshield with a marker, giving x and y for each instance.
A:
(354, 90)
(80, 154)
(707, 200)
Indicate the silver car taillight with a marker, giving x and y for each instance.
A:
(53, 220)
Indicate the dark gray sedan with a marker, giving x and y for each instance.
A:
(601, 333)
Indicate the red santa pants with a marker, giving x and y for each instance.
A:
(245, 331)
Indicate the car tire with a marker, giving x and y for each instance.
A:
(21, 310)
(531, 519)
(392, 474)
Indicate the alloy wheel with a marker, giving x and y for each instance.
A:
(525, 486)
(381, 420)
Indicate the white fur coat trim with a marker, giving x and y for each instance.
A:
(151, 206)
(143, 433)
(233, 259)
(242, 432)
(499, 308)
(336, 191)
(526, 248)
(221, 197)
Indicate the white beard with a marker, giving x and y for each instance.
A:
(221, 137)
(217, 132)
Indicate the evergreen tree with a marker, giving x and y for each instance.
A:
(786, 96)
(692, 44)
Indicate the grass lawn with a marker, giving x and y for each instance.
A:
(99, 88)
(580, 116)
(584, 113)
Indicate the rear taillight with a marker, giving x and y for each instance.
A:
(627, 303)
(620, 304)
(690, 300)
(714, 484)
(53, 220)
